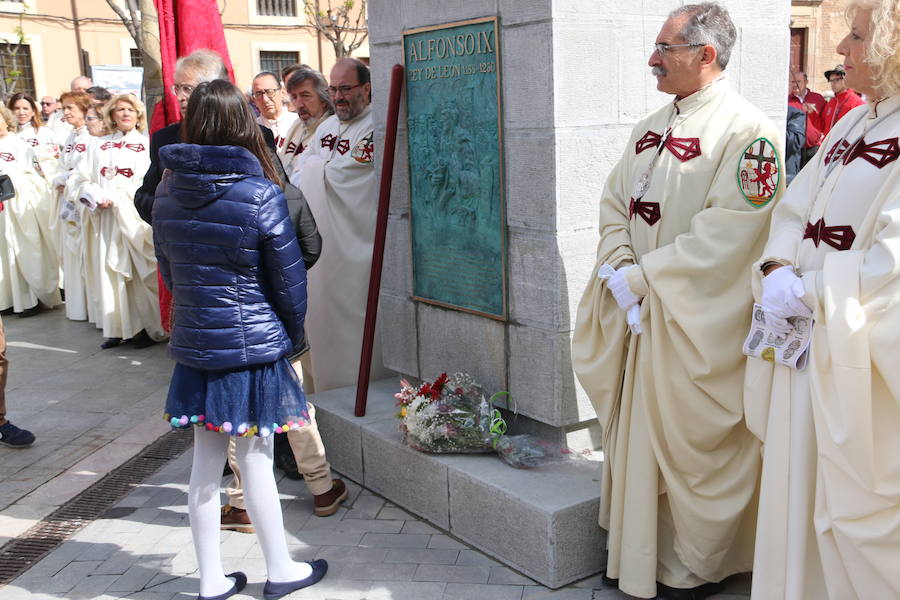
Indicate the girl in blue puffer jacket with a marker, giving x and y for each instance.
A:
(228, 251)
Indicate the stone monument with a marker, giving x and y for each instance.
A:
(573, 80)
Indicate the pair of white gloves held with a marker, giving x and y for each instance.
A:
(625, 298)
(782, 291)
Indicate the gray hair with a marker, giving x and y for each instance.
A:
(708, 23)
(304, 74)
(204, 64)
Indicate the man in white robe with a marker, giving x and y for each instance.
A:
(269, 96)
(657, 346)
(829, 519)
(308, 92)
(337, 176)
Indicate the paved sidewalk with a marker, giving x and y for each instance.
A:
(89, 408)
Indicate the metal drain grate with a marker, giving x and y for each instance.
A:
(18, 555)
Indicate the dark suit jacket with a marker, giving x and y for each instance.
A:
(304, 222)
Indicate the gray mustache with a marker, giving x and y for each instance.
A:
(658, 71)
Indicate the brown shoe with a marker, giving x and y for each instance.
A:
(327, 503)
(236, 519)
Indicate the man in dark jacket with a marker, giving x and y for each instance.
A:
(190, 71)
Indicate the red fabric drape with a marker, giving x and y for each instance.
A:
(184, 26)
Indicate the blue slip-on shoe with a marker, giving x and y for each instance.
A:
(14, 437)
(271, 591)
(240, 582)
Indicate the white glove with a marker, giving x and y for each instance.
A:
(618, 285)
(633, 312)
(781, 294)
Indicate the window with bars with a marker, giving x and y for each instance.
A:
(275, 61)
(136, 59)
(276, 8)
(15, 68)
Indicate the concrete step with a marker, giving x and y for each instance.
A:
(541, 522)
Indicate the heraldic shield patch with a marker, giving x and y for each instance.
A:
(364, 151)
(759, 172)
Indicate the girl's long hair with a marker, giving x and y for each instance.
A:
(218, 115)
(36, 117)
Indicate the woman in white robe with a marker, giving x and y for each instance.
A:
(79, 297)
(40, 137)
(829, 518)
(121, 256)
(29, 270)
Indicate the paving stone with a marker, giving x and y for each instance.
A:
(452, 574)
(403, 590)
(365, 507)
(505, 575)
(69, 576)
(392, 512)
(475, 558)
(541, 593)
(419, 527)
(470, 591)
(394, 540)
(378, 572)
(331, 538)
(436, 556)
(445, 541)
(133, 580)
(116, 564)
(92, 586)
(343, 555)
(370, 525)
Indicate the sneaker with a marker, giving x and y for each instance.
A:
(14, 437)
(236, 519)
(327, 504)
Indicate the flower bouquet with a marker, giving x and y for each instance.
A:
(449, 415)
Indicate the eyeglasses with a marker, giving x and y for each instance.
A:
(343, 89)
(181, 88)
(47, 103)
(258, 94)
(662, 48)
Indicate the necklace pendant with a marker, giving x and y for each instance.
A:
(641, 185)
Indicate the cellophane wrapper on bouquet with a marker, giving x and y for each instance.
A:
(449, 415)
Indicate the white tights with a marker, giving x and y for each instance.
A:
(254, 457)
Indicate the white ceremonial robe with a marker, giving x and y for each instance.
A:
(337, 176)
(279, 126)
(120, 254)
(29, 269)
(75, 230)
(297, 139)
(829, 524)
(43, 143)
(60, 129)
(681, 469)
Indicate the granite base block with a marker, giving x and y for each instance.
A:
(542, 523)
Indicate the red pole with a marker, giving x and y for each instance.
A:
(384, 201)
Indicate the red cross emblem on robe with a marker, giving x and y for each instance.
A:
(880, 153)
(7, 156)
(127, 172)
(329, 141)
(839, 237)
(649, 211)
(684, 149)
(343, 146)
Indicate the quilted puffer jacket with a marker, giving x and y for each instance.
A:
(228, 251)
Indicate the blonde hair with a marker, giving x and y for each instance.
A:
(11, 122)
(136, 104)
(883, 52)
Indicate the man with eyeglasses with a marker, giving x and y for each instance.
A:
(268, 96)
(659, 330)
(51, 113)
(844, 99)
(337, 175)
